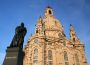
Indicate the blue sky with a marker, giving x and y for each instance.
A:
(13, 12)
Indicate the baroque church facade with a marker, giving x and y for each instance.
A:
(50, 46)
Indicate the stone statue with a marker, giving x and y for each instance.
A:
(18, 38)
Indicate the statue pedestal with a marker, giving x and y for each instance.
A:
(14, 56)
(14, 53)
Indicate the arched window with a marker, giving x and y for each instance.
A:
(74, 39)
(35, 57)
(66, 63)
(36, 31)
(66, 58)
(77, 59)
(50, 12)
(50, 57)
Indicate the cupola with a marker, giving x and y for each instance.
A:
(48, 11)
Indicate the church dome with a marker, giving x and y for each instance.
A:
(51, 23)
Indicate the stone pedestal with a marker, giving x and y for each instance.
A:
(14, 56)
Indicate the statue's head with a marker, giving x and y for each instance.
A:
(22, 24)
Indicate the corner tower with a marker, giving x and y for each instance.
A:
(73, 36)
(39, 26)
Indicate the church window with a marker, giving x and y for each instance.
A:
(50, 12)
(66, 63)
(64, 43)
(50, 57)
(74, 39)
(77, 59)
(36, 41)
(35, 57)
(65, 56)
(36, 31)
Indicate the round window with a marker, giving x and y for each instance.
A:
(36, 41)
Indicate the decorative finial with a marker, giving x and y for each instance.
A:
(70, 24)
(71, 27)
(40, 19)
(49, 7)
(31, 34)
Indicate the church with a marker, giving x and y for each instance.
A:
(49, 45)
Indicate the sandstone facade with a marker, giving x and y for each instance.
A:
(50, 46)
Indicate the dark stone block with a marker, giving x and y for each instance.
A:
(13, 56)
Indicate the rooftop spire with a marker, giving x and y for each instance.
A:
(71, 27)
(72, 33)
(40, 20)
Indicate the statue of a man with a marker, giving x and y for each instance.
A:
(18, 39)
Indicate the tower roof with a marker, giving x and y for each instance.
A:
(71, 27)
(49, 7)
